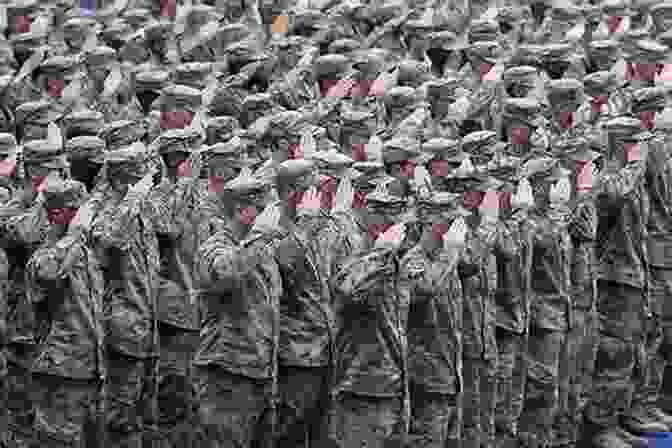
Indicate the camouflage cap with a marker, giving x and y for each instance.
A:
(246, 184)
(626, 128)
(444, 204)
(28, 42)
(443, 88)
(483, 31)
(246, 51)
(648, 52)
(115, 31)
(371, 173)
(524, 75)
(558, 51)
(479, 142)
(649, 99)
(76, 25)
(334, 163)
(447, 40)
(121, 133)
(399, 97)
(61, 193)
(600, 83)
(137, 17)
(130, 160)
(181, 96)
(565, 12)
(83, 122)
(576, 149)
(543, 168)
(619, 8)
(36, 113)
(233, 32)
(228, 153)
(444, 149)
(526, 110)
(401, 149)
(344, 46)
(565, 94)
(299, 173)
(331, 65)
(7, 143)
(661, 13)
(487, 51)
(193, 74)
(86, 147)
(62, 65)
(44, 153)
(151, 81)
(178, 140)
(100, 56)
(418, 26)
(307, 19)
(350, 116)
(158, 30)
(604, 48)
(527, 54)
(221, 128)
(382, 197)
(286, 123)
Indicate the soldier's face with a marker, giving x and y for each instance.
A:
(174, 159)
(223, 170)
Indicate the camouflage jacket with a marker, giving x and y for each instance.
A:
(371, 346)
(180, 232)
(659, 189)
(66, 287)
(583, 232)
(623, 210)
(432, 288)
(4, 299)
(126, 243)
(240, 293)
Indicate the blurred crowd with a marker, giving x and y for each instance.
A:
(335, 223)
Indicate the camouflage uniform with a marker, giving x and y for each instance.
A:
(660, 17)
(645, 415)
(9, 183)
(66, 290)
(86, 158)
(550, 306)
(622, 205)
(24, 224)
(525, 129)
(430, 284)
(605, 101)
(125, 242)
(32, 119)
(236, 360)
(644, 62)
(371, 389)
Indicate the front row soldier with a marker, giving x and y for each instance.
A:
(66, 289)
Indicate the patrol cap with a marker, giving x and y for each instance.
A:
(181, 96)
(526, 110)
(344, 46)
(257, 105)
(443, 88)
(626, 128)
(398, 97)
(221, 128)
(83, 122)
(151, 81)
(372, 172)
(557, 51)
(352, 117)
(443, 204)
(233, 32)
(565, 12)
(576, 149)
(444, 149)
(649, 99)
(286, 123)
(59, 65)
(298, 173)
(246, 184)
(446, 40)
(178, 140)
(334, 163)
(7, 143)
(648, 52)
(86, 147)
(228, 153)
(661, 14)
(479, 142)
(565, 94)
(331, 65)
(121, 133)
(523, 75)
(115, 31)
(382, 197)
(417, 27)
(483, 31)
(487, 51)
(61, 193)
(400, 149)
(131, 160)
(76, 25)
(527, 54)
(193, 74)
(36, 113)
(44, 153)
(618, 8)
(599, 83)
(100, 56)
(543, 168)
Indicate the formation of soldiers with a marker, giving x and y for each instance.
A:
(335, 223)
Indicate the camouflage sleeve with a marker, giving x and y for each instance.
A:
(617, 185)
(115, 229)
(505, 241)
(583, 223)
(468, 265)
(358, 276)
(4, 291)
(221, 261)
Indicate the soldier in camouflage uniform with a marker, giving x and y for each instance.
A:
(604, 101)
(645, 415)
(24, 224)
(564, 98)
(645, 61)
(9, 173)
(525, 129)
(125, 242)
(371, 395)
(236, 360)
(86, 155)
(550, 303)
(66, 288)
(622, 205)
(430, 284)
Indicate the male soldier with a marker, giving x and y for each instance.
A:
(645, 415)
(125, 241)
(429, 283)
(82, 122)
(236, 360)
(578, 357)
(661, 14)
(616, 19)
(445, 156)
(564, 98)
(75, 32)
(520, 81)
(371, 382)
(148, 87)
(9, 173)
(604, 100)
(25, 225)
(122, 133)
(53, 75)
(174, 202)
(33, 118)
(66, 289)
(524, 129)
(645, 61)
(86, 155)
(550, 311)
(622, 206)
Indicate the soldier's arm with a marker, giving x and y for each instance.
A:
(618, 184)
(357, 276)
(26, 228)
(583, 222)
(115, 230)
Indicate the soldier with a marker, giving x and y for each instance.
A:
(66, 288)
(445, 156)
(371, 382)
(75, 32)
(645, 61)
(616, 19)
(236, 361)
(578, 357)
(604, 102)
(622, 307)
(25, 225)
(33, 118)
(86, 155)
(9, 173)
(82, 122)
(564, 98)
(430, 284)
(176, 222)
(520, 81)
(645, 415)
(524, 128)
(125, 241)
(550, 312)
(441, 94)
(660, 16)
